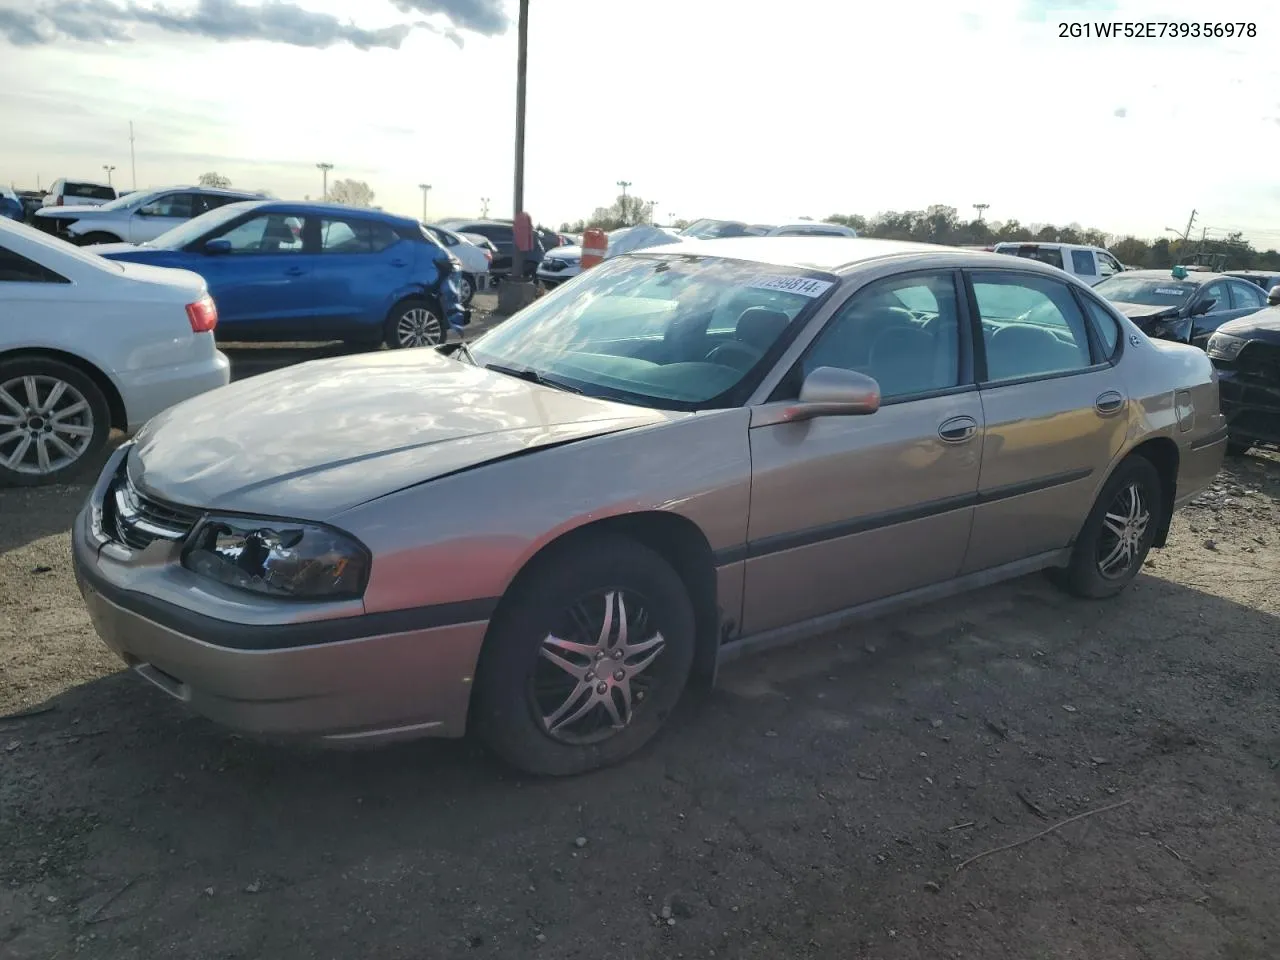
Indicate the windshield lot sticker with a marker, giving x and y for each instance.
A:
(801, 285)
(1170, 291)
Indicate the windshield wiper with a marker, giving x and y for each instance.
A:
(531, 375)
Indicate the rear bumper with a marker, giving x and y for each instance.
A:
(1252, 409)
(1199, 462)
(149, 392)
(361, 688)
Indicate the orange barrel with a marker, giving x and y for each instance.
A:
(595, 244)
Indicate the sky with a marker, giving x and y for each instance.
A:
(720, 108)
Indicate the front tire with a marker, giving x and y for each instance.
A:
(586, 660)
(1118, 533)
(54, 420)
(414, 322)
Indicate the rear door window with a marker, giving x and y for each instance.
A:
(1247, 296)
(1082, 263)
(355, 236)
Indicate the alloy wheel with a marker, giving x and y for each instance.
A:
(1123, 527)
(46, 425)
(419, 327)
(593, 671)
(465, 292)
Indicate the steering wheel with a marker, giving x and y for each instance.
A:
(733, 354)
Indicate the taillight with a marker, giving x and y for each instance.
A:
(488, 256)
(58, 202)
(203, 314)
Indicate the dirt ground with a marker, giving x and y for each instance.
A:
(823, 801)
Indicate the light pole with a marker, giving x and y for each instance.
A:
(426, 189)
(653, 213)
(484, 208)
(133, 157)
(108, 167)
(324, 169)
(981, 208)
(522, 63)
(625, 215)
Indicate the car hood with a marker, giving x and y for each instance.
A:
(77, 211)
(1135, 310)
(312, 440)
(105, 249)
(1263, 325)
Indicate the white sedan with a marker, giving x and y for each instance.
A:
(565, 263)
(89, 344)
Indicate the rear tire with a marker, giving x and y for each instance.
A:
(467, 288)
(415, 322)
(586, 660)
(1118, 533)
(54, 421)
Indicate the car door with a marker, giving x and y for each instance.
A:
(260, 277)
(160, 215)
(361, 267)
(850, 509)
(1056, 415)
(1219, 312)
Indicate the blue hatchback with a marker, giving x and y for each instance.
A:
(304, 271)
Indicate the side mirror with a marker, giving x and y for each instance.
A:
(1203, 307)
(217, 246)
(833, 392)
(1273, 296)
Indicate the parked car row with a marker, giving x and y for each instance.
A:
(347, 550)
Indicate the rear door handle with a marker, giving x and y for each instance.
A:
(958, 429)
(1109, 403)
(294, 271)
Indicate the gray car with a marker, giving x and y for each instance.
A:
(673, 458)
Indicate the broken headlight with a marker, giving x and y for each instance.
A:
(279, 558)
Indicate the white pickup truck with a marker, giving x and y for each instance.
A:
(1090, 264)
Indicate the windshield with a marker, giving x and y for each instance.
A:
(711, 229)
(661, 330)
(195, 228)
(128, 200)
(1146, 291)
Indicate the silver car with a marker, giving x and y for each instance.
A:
(673, 458)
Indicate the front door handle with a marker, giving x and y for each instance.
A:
(294, 272)
(1108, 403)
(958, 429)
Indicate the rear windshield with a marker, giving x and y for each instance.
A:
(1146, 291)
(1049, 255)
(88, 191)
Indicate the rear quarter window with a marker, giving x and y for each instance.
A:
(1104, 325)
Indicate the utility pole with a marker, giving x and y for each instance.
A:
(133, 158)
(1187, 232)
(109, 168)
(426, 189)
(324, 169)
(981, 208)
(625, 213)
(484, 208)
(522, 65)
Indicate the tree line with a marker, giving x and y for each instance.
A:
(943, 225)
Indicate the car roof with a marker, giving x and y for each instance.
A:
(840, 254)
(306, 207)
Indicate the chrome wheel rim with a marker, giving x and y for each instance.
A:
(418, 327)
(1123, 527)
(593, 671)
(46, 425)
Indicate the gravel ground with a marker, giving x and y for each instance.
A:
(824, 801)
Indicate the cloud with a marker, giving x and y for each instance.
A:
(485, 17)
(1120, 112)
(278, 21)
